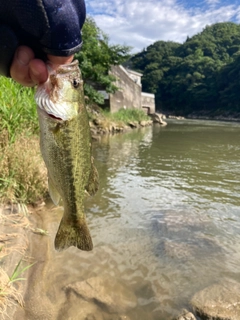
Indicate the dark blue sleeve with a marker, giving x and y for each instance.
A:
(47, 26)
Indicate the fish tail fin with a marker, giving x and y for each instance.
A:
(73, 234)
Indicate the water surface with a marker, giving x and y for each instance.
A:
(166, 220)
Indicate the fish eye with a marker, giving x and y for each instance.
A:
(75, 83)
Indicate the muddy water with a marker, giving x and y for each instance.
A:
(165, 222)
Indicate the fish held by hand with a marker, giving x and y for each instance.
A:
(65, 142)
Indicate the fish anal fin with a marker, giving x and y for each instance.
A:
(55, 196)
(93, 183)
(73, 234)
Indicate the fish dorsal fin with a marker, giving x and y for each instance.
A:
(55, 196)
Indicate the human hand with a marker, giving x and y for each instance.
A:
(29, 71)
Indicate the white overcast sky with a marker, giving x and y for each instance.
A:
(139, 23)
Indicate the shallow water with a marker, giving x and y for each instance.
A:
(166, 220)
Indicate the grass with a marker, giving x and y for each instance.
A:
(120, 119)
(17, 111)
(23, 174)
(9, 294)
(18, 271)
(12, 244)
(126, 115)
(22, 178)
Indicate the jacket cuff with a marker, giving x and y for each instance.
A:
(8, 45)
(62, 53)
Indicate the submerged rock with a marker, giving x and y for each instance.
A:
(186, 315)
(179, 250)
(105, 292)
(218, 302)
(73, 310)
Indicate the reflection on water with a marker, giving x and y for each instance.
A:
(166, 220)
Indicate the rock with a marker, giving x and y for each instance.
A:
(97, 121)
(176, 117)
(105, 292)
(133, 124)
(73, 310)
(179, 250)
(91, 125)
(158, 118)
(143, 123)
(185, 315)
(218, 302)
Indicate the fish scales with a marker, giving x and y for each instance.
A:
(66, 150)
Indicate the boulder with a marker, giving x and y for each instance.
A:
(158, 118)
(218, 301)
(105, 292)
(186, 315)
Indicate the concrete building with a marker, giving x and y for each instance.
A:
(148, 102)
(129, 94)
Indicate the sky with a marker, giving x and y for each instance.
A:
(139, 23)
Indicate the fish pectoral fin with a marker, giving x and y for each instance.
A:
(93, 183)
(73, 234)
(55, 196)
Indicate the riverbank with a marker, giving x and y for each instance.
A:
(231, 118)
(14, 244)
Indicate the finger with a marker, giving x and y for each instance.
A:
(38, 71)
(56, 61)
(19, 70)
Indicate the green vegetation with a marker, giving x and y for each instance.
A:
(17, 111)
(22, 172)
(126, 115)
(95, 60)
(200, 76)
(18, 271)
(9, 294)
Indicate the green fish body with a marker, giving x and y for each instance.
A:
(65, 142)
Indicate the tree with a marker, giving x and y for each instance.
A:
(96, 58)
(199, 76)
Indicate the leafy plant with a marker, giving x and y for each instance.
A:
(18, 271)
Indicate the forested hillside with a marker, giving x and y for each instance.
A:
(200, 76)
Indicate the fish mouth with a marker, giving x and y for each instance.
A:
(44, 103)
(48, 115)
(50, 97)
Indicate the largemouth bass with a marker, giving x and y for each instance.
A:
(65, 142)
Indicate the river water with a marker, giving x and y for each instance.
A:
(166, 220)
